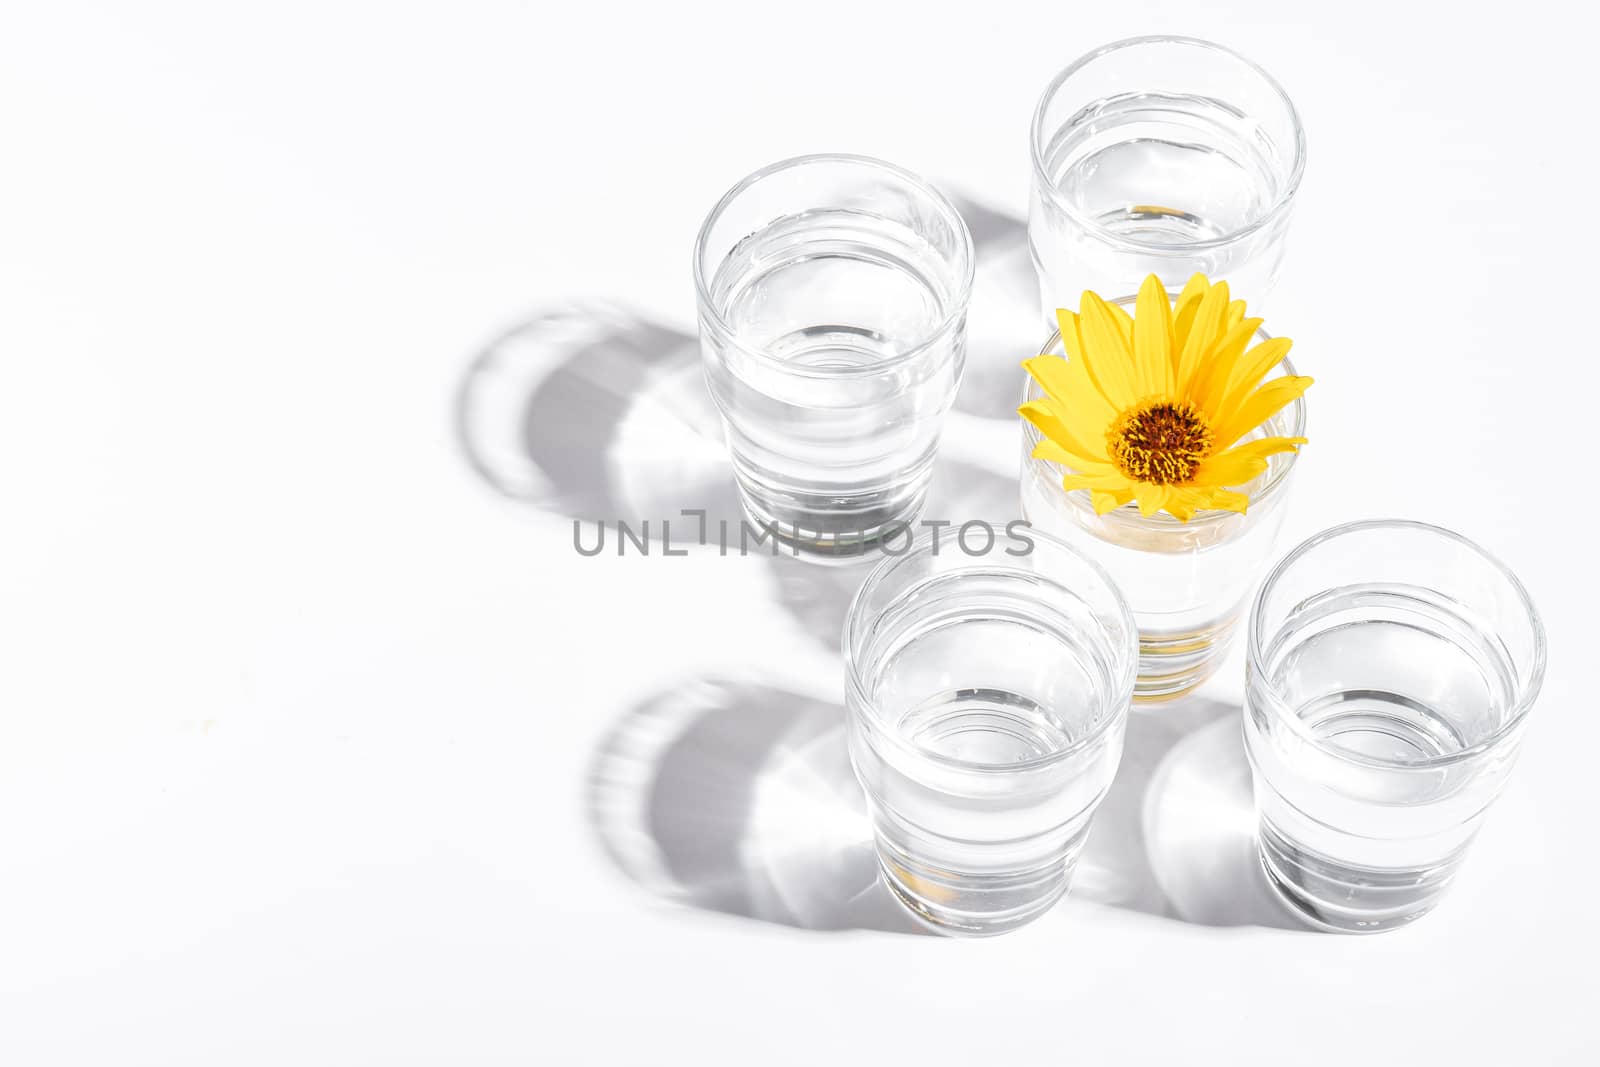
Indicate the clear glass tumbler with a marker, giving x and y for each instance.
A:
(987, 698)
(1188, 583)
(1391, 669)
(833, 297)
(1163, 155)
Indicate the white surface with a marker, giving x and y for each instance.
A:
(301, 724)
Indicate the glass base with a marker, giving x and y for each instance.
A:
(1341, 898)
(831, 528)
(973, 905)
(1173, 665)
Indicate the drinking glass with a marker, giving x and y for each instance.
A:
(1391, 669)
(1187, 583)
(833, 298)
(1163, 155)
(987, 697)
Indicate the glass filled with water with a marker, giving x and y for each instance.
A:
(1188, 583)
(987, 698)
(833, 297)
(1163, 155)
(1391, 669)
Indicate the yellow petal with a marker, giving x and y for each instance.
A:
(1209, 385)
(1183, 313)
(1107, 355)
(1078, 412)
(1204, 330)
(1046, 415)
(1056, 452)
(1229, 468)
(1051, 374)
(1105, 500)
(1124, 321)
(1183, 503)
(1249, 370)
(1152, 338)
(1069, 383)
(1233, 468)
(1225, 500)
(1152, 498)
(1258, 407)
(1085, 409)
(1241, 464)
(1235, 314)
(1068, 323)
(1113, 481)
(1266, 446)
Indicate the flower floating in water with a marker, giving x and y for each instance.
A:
(1153, 408)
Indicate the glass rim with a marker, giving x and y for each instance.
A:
(853, 621)
(966, 271)
(1130, 511)
(1279, 207)
(1531, 685)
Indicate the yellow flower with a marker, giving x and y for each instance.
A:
(1152, 408)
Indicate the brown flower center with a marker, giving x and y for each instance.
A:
(1159, 441)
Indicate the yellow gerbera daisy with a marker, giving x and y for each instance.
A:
(1151, 408)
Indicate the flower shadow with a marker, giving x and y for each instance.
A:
(738, 798)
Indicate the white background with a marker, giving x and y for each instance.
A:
(317, 748)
